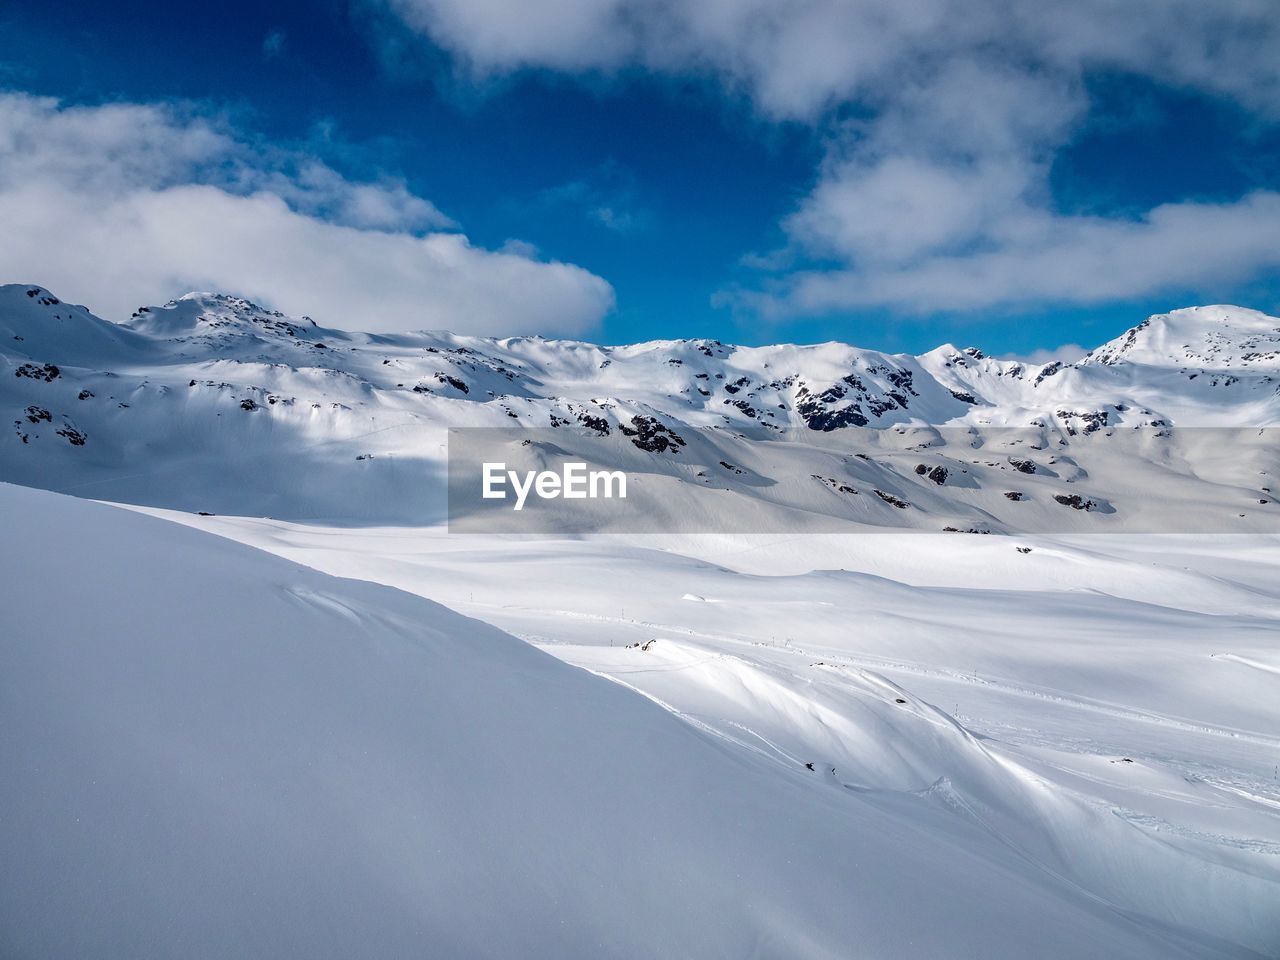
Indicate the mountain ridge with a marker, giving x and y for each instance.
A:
(214, 385)
(828, 385)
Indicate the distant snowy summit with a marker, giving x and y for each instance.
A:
(1209, 340)
(180, 400)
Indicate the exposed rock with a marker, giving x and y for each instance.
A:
(650, 435)
(892, 500)
(834, 484)
(74, 436)
(1074, 501)
(46, 372)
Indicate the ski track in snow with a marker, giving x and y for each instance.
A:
(919, 669)
(1248, 662)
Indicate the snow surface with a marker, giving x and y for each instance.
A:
(812, 745)
(1105, 705)
(209, 751)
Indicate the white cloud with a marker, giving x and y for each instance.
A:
(1067, 353)
(126, 204)
(935, 206)
(938, 196)
(798, 56)
(1035, 256)
(319, 190)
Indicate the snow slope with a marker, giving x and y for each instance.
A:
(209, 751)
(1104, 706)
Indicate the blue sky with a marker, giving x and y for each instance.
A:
(718, 191)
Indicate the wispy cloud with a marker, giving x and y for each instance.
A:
(127, 203)
(273, 44)
(606, 198)
(619, 221)
(1067, 353)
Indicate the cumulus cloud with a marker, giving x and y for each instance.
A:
(1039, 257)
(937, 195)
(126, 204)
(796, 57)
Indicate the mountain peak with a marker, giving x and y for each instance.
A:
(1205, 338)
(202, 313)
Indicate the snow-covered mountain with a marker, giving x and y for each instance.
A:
(212, 403)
